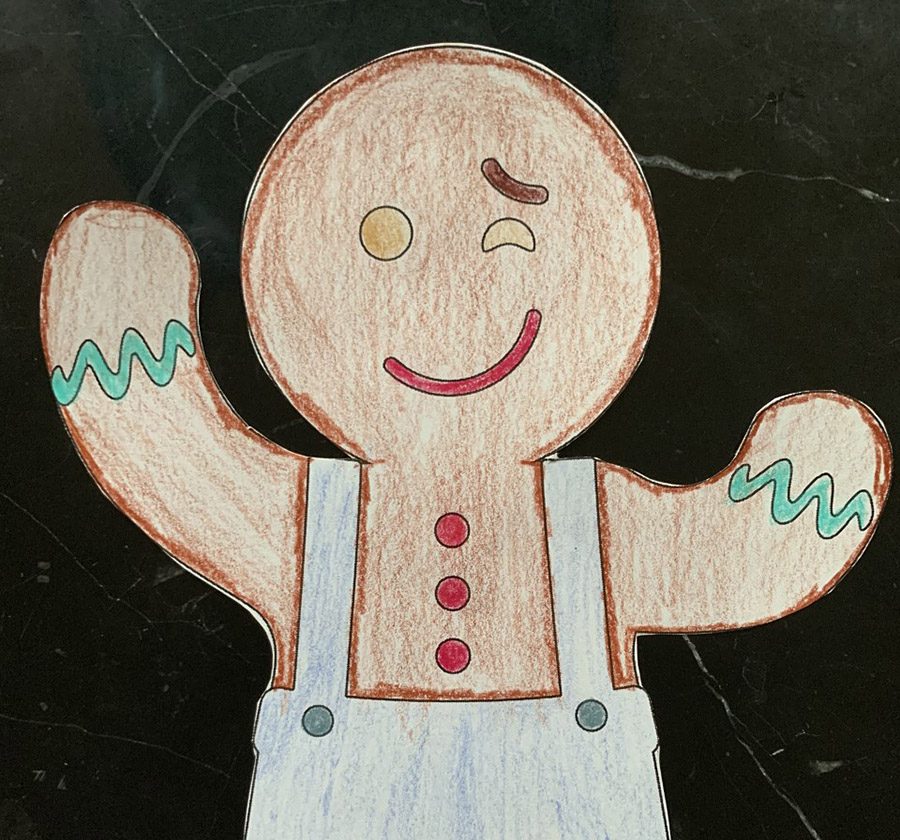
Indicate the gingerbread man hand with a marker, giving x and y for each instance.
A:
(119, 326)
(768, 535)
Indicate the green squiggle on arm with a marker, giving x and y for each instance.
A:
(820, 490)
(115, 384)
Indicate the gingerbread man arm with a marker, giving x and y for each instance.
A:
(768, 535)
(120, 334)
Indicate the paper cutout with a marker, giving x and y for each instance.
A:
(451, 559)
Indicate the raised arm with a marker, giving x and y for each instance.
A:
(119, 329)
(768, 535)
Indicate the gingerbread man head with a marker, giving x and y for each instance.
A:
(450, 248)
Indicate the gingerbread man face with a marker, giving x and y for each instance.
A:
(450, 247)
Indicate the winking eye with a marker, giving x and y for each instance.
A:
(507, 232)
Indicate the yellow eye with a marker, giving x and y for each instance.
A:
(386, 233)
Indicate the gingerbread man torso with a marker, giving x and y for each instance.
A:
(481, 523)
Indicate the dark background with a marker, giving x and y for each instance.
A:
(769, 132)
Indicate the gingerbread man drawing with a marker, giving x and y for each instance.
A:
(451, 267)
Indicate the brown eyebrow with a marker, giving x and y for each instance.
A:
(504, 183)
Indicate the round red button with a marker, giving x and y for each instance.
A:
(452, 593)
(452, 656)
(451, 530)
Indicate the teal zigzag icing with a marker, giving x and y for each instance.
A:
(115, 384)
(820, 490)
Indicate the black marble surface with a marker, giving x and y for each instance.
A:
(769, 132)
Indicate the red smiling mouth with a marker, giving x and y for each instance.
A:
(478, 382)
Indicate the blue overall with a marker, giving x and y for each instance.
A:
(579, 766)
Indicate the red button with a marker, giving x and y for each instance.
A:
(452, 593)
(452, 656)
(451, 530)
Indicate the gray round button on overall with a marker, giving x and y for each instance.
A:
(591, 715)
(317, 721)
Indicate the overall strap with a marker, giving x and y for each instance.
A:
(329, 564)
(570, 497)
